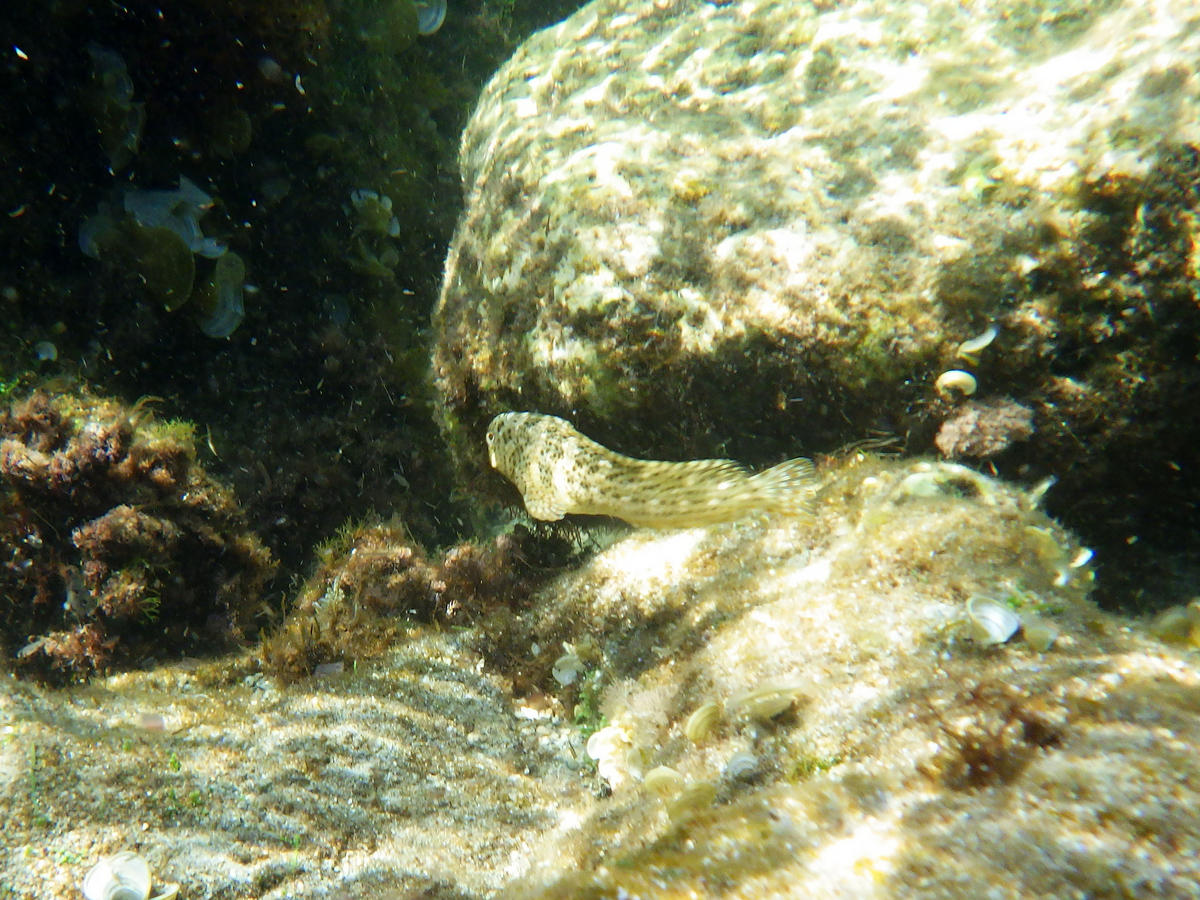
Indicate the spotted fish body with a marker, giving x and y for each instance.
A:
(560, 471)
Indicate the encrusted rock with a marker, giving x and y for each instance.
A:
(773, 225)
(118, 546)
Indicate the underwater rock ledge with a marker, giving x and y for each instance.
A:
(778, 224)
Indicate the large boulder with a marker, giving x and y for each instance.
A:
(774, 225)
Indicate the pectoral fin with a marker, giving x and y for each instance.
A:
(543, 509)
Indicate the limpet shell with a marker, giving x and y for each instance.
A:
(990, 623)
(767, 701)
(700, 723)
(663, 781)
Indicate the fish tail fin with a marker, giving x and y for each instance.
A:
(789, 487)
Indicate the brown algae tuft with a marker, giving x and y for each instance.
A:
(120, 546)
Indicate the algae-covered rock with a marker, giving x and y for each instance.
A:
(119, 548)
(775, 225)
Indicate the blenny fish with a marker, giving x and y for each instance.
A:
(560, 471)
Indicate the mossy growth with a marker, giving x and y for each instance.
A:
(373, 580)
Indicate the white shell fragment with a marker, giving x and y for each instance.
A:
(1082, 558)
(956, 381)
(990, 623)
(567, 667)
(618, 761)
(122, 876)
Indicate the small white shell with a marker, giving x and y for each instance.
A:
(700, 724)
(122, 876)
(618, 761)
(1037, 493)
(1082, 558)
(990, 623)
(969, 349)
(741, 765)
(956, 381)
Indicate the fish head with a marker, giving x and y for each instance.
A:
(504, 442)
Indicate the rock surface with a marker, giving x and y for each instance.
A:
(860, 745)
(774, 224)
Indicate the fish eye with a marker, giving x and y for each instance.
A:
(491, 436)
